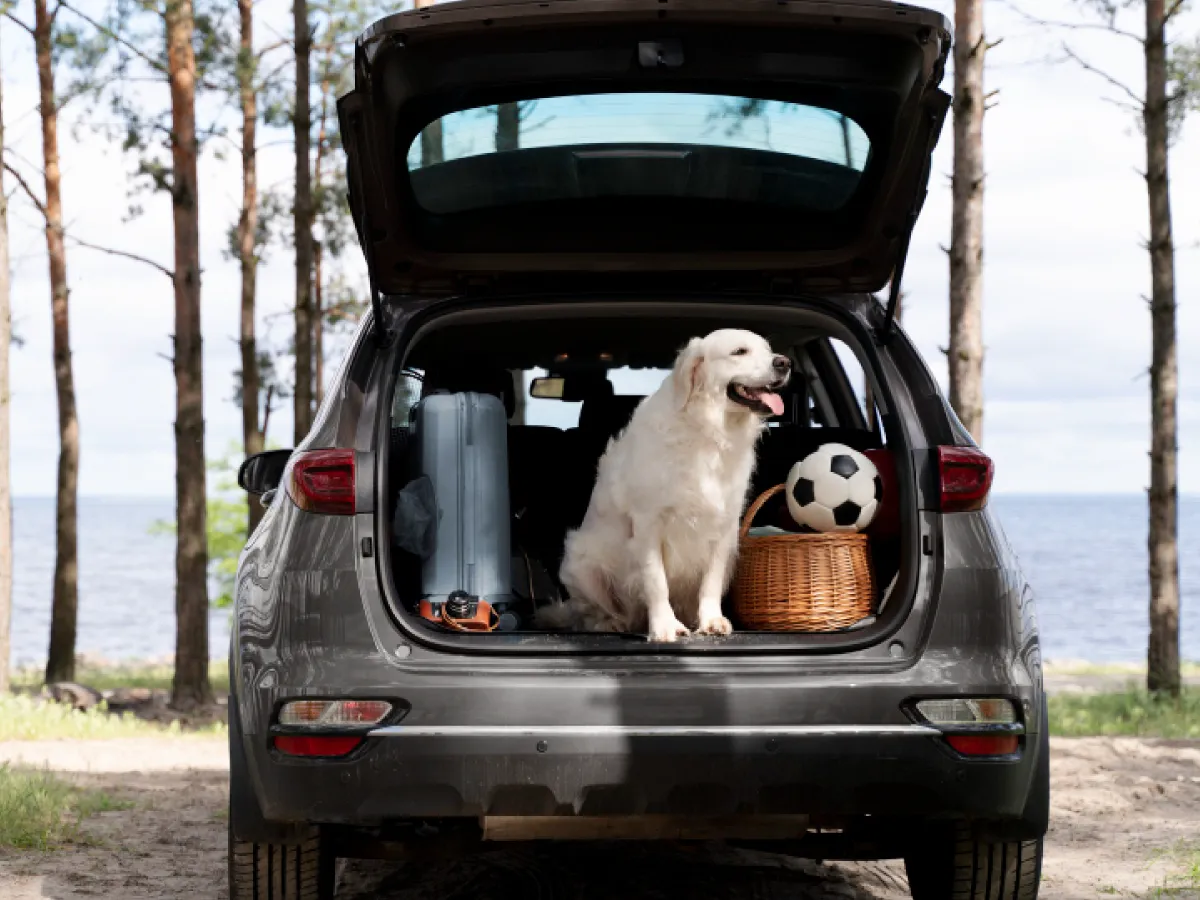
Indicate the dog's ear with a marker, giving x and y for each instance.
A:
(687, 370)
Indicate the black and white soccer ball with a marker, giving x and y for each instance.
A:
(834, 488)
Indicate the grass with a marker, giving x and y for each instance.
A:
(108, 676)
(1184, 881)
(39, 811)
(28, 719)
(1132, 712)
(1131, 670)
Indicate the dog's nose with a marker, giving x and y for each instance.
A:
(782, 365)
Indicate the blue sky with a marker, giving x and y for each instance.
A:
(1067, 333)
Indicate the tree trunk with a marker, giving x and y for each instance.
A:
(303, 218)
(508, 127)
(318, 324)
(6, 544)
(1163, 655)
(966, 234)
(252, 438)
(191, 686)
(61, 663)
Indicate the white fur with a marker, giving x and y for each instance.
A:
(657, 546)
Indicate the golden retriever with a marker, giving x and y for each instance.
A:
(657, 545)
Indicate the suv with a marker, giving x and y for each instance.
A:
(551, 197)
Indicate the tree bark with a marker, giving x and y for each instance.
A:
(6, 543)
(508, 127)
(60, 665)
(1163, 654)
(318, 325)
(252, 437)
(965, 352)
(191, 685)
(303, 218)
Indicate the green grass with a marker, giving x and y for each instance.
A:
(1131, 712)
(1131, 670)
(39, 811)
(109, 676)
(1184, 881)
(28, 719)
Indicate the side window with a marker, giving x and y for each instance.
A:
(540, 411)
(408, 392)
(857, 378)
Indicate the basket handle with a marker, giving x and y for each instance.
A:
(757, 505)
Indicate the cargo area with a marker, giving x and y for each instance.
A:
(499, 417)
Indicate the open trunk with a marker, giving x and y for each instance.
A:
(595, 359)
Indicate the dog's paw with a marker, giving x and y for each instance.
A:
(667, 631)
(715, 625)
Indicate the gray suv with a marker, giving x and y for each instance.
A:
(551, 198)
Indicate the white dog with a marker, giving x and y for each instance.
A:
(657, 546)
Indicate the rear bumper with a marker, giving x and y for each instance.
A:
(413, 772)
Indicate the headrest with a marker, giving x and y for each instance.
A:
(607, 415)
(461, 379)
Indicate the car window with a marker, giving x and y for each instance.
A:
(613, 145)
(408, 392)
(564, 415)
(857, 378)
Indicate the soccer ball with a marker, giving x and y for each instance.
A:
(834, 488)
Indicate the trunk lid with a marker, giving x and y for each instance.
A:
(720, 143)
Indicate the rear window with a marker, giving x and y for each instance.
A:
(621, 145)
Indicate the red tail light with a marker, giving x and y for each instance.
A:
(315, 745)
(323, 482)
(966, 478)
(983, 745)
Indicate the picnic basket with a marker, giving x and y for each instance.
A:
(801, 582)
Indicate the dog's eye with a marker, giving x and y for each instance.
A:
(741, 351)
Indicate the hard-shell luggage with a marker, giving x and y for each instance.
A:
(461, 444)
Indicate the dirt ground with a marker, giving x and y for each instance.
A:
(1125, 812)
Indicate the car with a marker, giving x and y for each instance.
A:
(551, 198)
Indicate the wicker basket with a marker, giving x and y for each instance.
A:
(801, 582)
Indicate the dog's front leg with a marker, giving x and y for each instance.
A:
(712, 588)
(656, 594)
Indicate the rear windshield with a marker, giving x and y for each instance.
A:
(618, 145)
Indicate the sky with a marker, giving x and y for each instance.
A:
(1065, 326)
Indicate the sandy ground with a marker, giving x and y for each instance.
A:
(1123, 811)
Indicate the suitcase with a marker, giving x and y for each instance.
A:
(461, 444)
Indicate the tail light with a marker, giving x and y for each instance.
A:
(323, 482)
(316, 745)
(333, 713)
(975, 726)
(966, 477)
(984, 744)
(326, 716)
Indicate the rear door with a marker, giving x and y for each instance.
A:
(741, 143)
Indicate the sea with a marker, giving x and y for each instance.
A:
(1084, 555)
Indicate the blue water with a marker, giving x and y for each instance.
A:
(1086, 558)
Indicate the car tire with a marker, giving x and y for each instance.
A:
(951, 864)
(303, 871)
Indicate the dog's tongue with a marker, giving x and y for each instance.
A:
(773, 401)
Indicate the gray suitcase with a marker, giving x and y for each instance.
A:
(461, 443)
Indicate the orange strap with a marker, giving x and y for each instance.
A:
(456, 625)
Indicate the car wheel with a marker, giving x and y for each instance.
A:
(952, 865)
(301, 871)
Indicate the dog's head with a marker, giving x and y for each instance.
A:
(737, 365)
